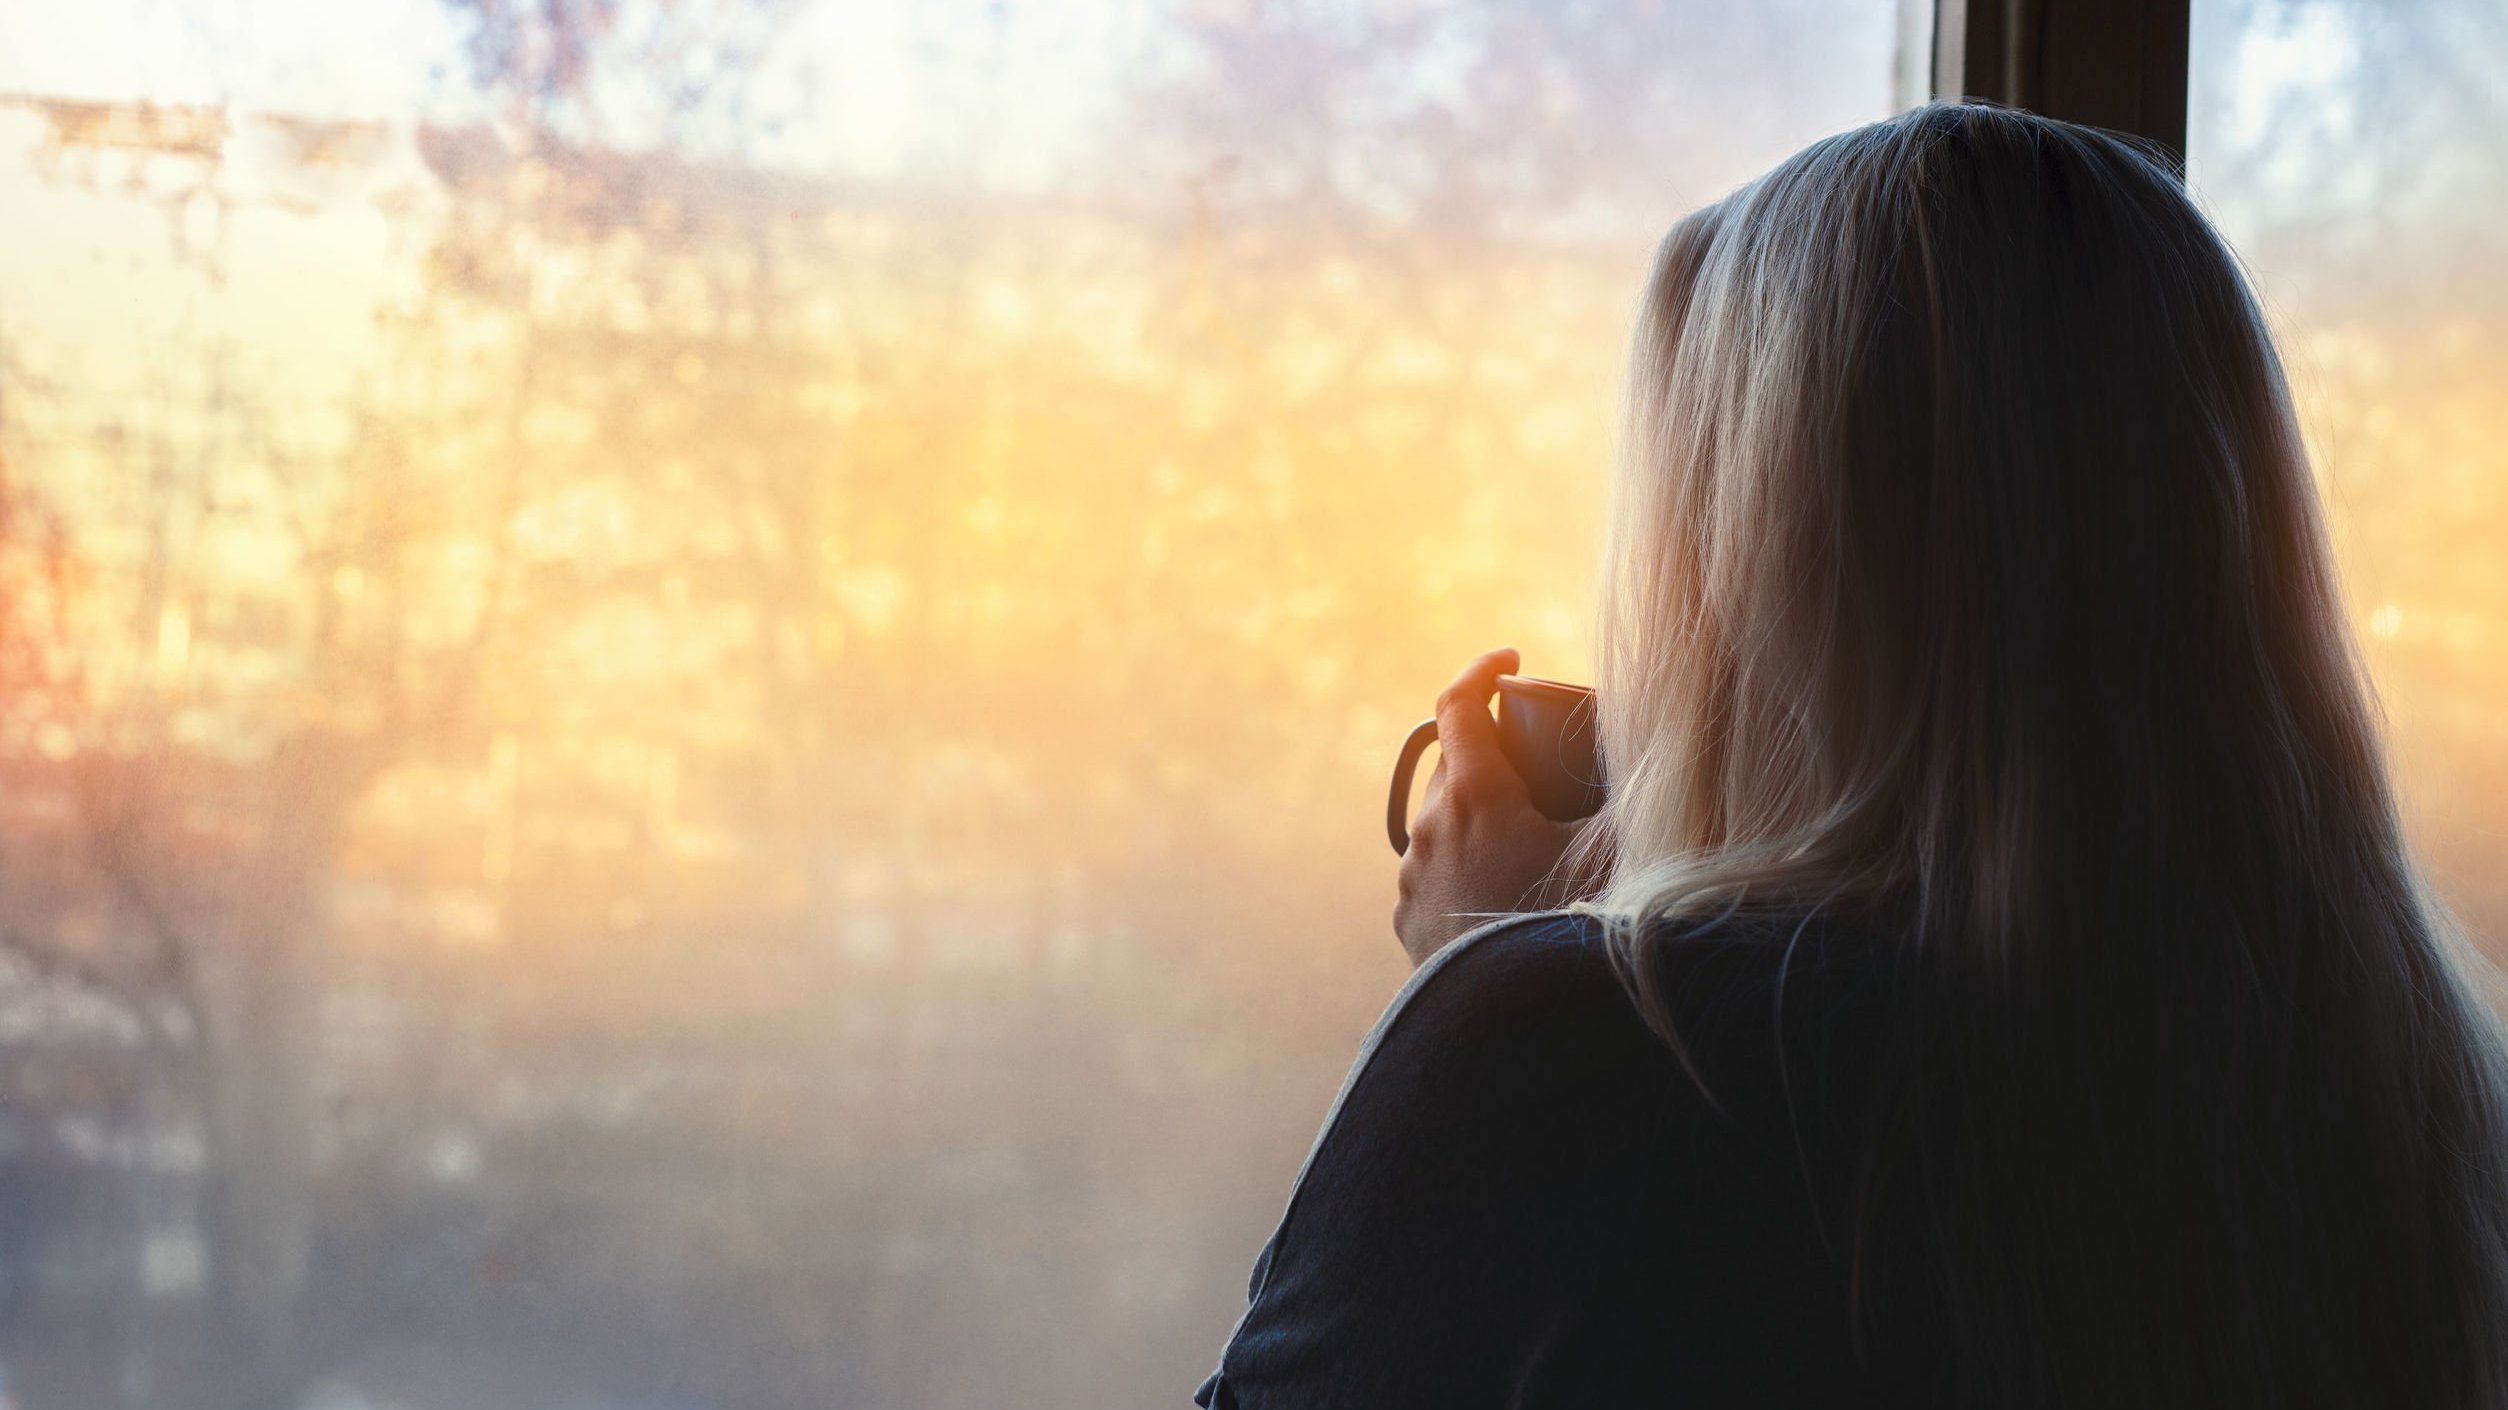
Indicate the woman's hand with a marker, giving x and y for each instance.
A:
(1478, 846)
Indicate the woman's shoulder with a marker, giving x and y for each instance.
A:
(1526, 1041)
(1563, 975)
(1514, 973)
(1526, 1183)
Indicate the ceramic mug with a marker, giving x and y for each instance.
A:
(1546, 729)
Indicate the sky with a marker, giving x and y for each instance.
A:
(997, 94)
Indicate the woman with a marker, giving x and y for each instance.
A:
(2007, 984)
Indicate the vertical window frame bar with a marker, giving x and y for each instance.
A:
(2117, 64)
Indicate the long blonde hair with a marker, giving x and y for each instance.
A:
(1966, 586)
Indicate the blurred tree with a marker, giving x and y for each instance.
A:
(795, 817)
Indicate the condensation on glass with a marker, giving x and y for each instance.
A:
(695, 695)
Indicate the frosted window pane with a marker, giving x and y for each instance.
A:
(2356, 153)
(694, 703)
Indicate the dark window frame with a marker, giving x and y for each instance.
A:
(2117, 64)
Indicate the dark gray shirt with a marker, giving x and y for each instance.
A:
(1523, 1199)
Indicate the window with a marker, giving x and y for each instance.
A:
(697, 691)
(2357, 155)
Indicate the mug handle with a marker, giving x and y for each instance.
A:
(1398, 803)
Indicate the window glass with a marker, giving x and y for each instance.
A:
(696, 691)
(2356, 153)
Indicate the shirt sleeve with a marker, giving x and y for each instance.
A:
(1444, 1245)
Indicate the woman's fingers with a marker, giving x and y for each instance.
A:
(1467, 738)
(1478, 846)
